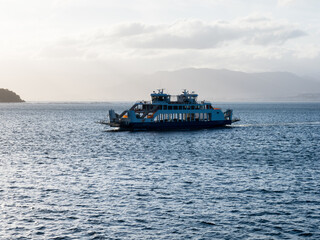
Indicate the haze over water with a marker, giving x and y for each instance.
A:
(64, 177)
(102, 50)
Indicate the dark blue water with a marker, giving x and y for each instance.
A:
(64, 177)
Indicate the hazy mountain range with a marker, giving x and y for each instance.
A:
(226, 85)
(210, 84)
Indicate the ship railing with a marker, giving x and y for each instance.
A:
(153, 111)
(122, 114)
(144, 102)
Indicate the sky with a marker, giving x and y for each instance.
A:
(70, 50)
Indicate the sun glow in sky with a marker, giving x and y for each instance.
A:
(82, 49)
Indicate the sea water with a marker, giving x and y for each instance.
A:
(63, 176)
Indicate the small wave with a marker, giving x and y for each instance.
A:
(275, 124)
(114, 130)
(207, 223)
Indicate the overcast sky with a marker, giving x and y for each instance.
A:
(82, 49)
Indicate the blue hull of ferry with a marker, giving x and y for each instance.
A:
(165, 126)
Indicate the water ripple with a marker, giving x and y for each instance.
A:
(65, 177)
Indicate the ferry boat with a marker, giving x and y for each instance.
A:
(170, 112)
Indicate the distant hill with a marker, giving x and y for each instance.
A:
(226, 85)
(9, 96)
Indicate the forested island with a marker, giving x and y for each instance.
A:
(8, 96)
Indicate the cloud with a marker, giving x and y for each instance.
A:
(145, 47)
(132, 29)
(61, 52)
(192, 34)
(285, 2)
(197, 34)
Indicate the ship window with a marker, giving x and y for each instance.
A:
(175, 107)
(165, 107)
(169, 107)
